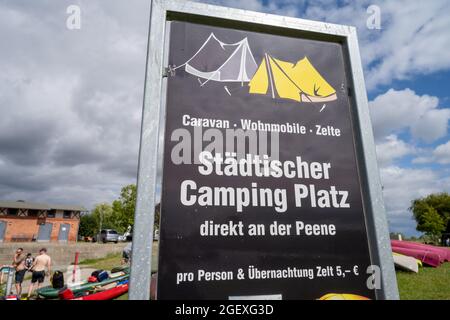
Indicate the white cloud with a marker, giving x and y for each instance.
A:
(441, 155)
(391, 149)
(401, 186)
(280, 7)
(73, 100)
(411, 41)
(397, 111)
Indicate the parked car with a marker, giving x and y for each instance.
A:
(108, 235)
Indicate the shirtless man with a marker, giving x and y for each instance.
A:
(19, 265)
(41, 262)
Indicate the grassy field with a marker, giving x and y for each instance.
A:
(114, 260)
(428, 284)
(106, 263)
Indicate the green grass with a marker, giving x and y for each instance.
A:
(428, 284)
(123, 297)
(106, 263)
(114, 260)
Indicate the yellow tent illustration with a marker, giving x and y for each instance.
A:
(300, 81)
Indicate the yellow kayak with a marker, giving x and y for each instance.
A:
(342, 296)
(419, 263)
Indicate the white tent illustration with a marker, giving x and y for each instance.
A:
(238, 64)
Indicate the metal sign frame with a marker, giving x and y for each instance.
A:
(154, 105)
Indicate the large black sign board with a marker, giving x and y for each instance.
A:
(293, 231)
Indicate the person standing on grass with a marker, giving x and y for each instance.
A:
(29, 262)
(126, 253)
(42, 262)
(19, 265)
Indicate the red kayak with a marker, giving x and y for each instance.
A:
(108, 294)
(426, 256)
(443, 253)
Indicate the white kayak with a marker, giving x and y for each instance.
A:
(406, 263)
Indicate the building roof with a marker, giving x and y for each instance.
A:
(39, 206)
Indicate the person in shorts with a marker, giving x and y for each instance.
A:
(40, 264)
(38, 276)
(19, 265)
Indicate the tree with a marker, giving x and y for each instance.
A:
(103, 215)
(432, 214)
(123, 208)
(88, 226)
(118, 215)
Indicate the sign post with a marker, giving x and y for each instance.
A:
(270, 185)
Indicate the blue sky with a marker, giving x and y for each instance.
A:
(69, 129)
(435, 84)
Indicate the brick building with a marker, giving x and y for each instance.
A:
(22, 221)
